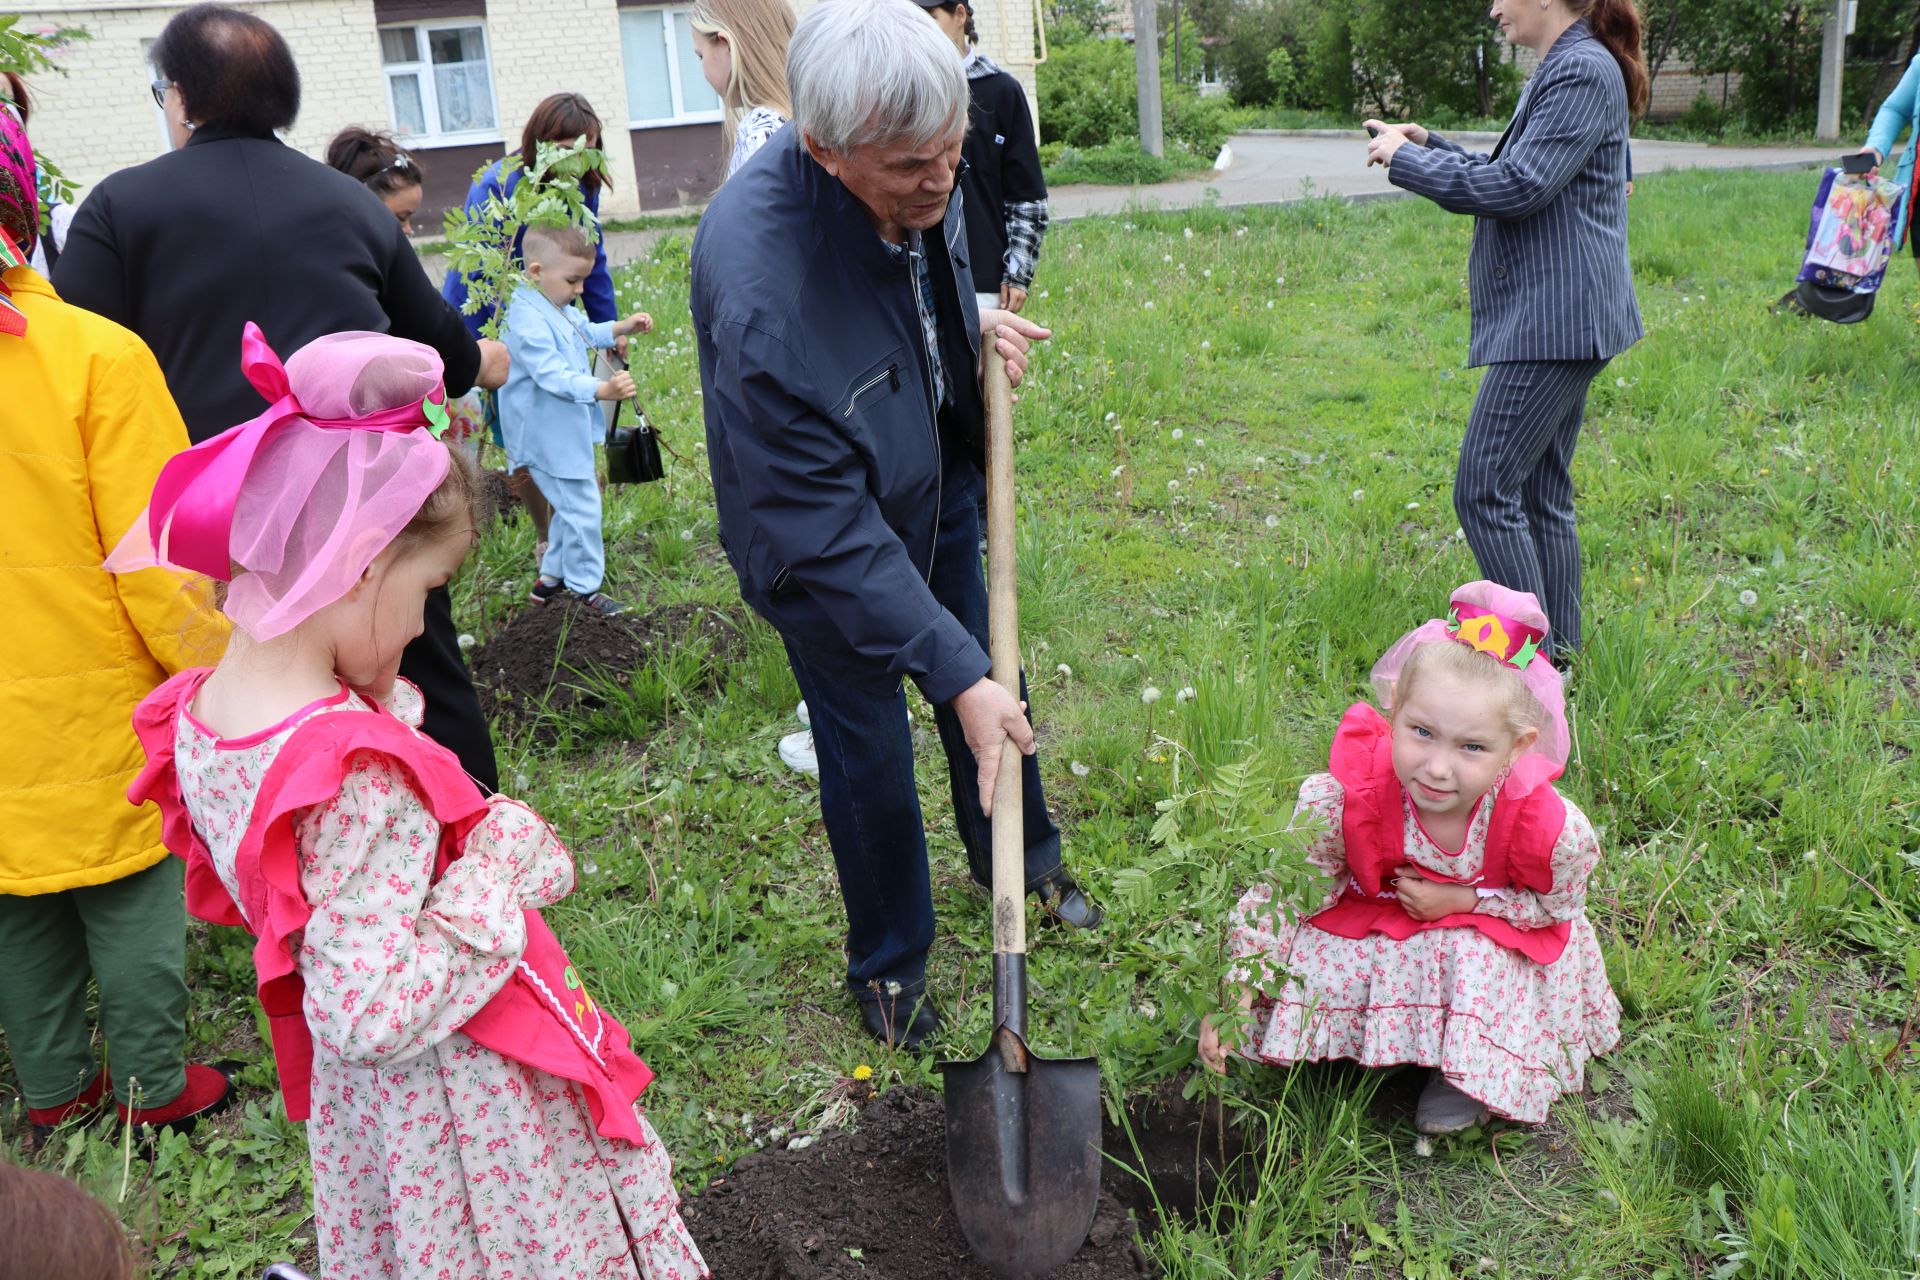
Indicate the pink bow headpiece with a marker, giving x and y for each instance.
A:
(292, 506)
(1509, 626)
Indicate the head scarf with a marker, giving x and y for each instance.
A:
(1509, 627)
(19, 212)
(294, 505)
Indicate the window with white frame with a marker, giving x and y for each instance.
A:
(664, 84)
(439, 82)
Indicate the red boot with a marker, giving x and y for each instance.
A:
(208, 1092)
(46, 1119)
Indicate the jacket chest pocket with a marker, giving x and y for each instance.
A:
(873, 387)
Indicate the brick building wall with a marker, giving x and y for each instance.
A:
(1673, 90)
(100, 117)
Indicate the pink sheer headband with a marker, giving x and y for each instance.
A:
(292, 506)
(1509, 627)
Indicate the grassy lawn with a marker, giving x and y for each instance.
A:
(1236, 464)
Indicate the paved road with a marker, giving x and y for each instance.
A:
(1275, 167)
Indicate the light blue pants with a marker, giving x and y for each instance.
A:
(576, 553)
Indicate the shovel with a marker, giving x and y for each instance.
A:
(1023, 1132)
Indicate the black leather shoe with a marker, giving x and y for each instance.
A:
(1067, 902)
(900, 1022)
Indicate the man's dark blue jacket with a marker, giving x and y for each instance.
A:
(830, 459)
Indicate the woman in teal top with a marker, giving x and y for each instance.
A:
(1900, 113)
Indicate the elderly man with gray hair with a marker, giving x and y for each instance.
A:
(840, 363)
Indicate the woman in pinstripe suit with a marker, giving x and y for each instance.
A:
(1551, 287)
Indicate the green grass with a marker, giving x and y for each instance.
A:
(1236, 461)
(1120, 164)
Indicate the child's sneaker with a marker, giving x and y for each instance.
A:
(796, 750)
(604, 605)
(544, 591)
(209, 1091)
(1445, 1108)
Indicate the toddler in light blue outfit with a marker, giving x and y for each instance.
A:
(549, 408)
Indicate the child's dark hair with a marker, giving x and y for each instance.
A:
(972, 32)
(449, 510)
(375, 159)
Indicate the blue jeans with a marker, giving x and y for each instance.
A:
(868, 799)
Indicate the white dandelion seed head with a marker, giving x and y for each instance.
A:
(1147, 305)
(1079, 770)
(1115, 473)
(1178, 433)
(686, 535)
(1186, 694)
(1187, 232)
(466, 640)
(1205, 345)
(1173, 484)
(1149, 695)
(1273, 522)
(1413, 506)
(1064, 670)
(1359, 494)
(1112, 416)
(1749, 598)
(1811, 855)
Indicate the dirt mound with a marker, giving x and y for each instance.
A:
(870, 1203)
(497, 499)
(551, 656)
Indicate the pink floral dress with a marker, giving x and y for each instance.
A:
(1507, 1030)
(434, 1157)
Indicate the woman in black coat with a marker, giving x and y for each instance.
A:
(232, 226)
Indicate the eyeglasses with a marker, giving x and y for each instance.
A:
(160, 88)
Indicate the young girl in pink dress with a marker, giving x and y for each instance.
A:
(1454, 934)
(471, 1111)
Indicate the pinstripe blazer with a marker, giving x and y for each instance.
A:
(1548, 276)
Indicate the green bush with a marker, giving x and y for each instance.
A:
(1116, 164)
(1196, 123)
(1086, 93)
(1706, 116)
(1255, 33)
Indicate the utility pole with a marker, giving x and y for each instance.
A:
(1146, 70)
(1833, 63)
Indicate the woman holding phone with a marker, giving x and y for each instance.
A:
(1550, 284)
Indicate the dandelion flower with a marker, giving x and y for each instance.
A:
(1207, 273)
(1269, 304)
(1359, 494)
(1186, 694)
(1166, 257)
(1064, 670)
(1079, 770)
(1173, 484)
(1619, 382)
(1178, 433)
(1187, 232)
(686, 535)
(1147, 305)
(466, 640)
(1273, 522)
(1205, 345)
(1149, 695)
(1413, 506)
(863, 1072)
(1112, 416)
(1115, 473)
(1749, 598)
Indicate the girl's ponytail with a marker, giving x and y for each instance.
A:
(1616, 24)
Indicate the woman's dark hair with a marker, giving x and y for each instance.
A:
(973, 33)
(17, 94)
(233, 70)
(375, 159)
(52, 1230)
(1616, 24)
(562, 118)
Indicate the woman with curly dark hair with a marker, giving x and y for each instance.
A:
(376, 162)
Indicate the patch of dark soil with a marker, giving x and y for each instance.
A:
(553, 655)
(497, 500)
(873, 1203)
(1185, 1148)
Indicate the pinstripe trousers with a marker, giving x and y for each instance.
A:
(1513, 491)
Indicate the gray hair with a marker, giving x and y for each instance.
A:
(874, 71)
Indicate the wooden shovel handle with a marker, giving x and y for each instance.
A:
(1003, 621)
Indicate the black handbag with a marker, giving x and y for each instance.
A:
(633, 453)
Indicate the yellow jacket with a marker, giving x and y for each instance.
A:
(85, 423)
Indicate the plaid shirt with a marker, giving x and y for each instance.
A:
(914, 253)
(1026, 228)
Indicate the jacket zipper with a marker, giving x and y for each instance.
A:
(891, 374)
(933, 437)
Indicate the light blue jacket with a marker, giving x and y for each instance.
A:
(549, 409)
(1900, 113)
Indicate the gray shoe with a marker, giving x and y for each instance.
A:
(1443, 1108)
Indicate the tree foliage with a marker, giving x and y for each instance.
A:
(480, 245)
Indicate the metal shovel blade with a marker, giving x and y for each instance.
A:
(1023, 1152)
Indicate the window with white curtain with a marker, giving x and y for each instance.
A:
(664, 84)
(439, 82)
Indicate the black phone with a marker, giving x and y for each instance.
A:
(1373, 131)
(1858, 162)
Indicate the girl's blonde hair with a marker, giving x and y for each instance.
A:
(757, 33)
(1518, 709)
